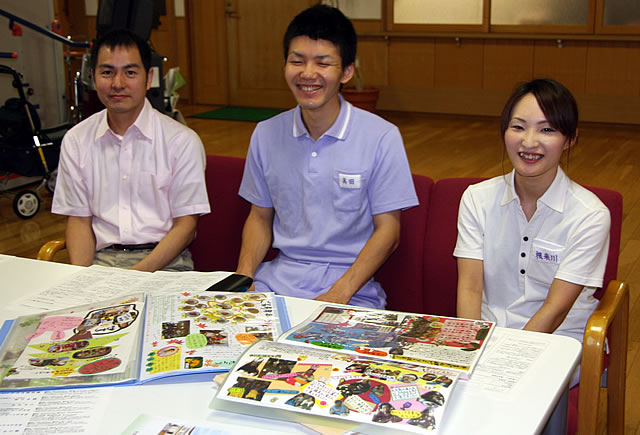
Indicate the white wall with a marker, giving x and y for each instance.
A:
(40, 59)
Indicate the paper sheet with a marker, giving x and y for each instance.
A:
(505, 362)
(41, 412)
(97, 283)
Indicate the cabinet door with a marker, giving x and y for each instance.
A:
(237, 53)
(208, 51)
(255, 29)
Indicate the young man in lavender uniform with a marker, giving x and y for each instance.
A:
(131, 180)
(327, 181)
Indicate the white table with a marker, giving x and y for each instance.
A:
(525, 408)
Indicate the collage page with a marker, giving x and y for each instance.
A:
(294, 383)
(90, 344)
(191, 332)
(437, 341)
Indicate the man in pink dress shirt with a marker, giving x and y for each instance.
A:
(131, 180)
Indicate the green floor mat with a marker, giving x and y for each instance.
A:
(232, 113)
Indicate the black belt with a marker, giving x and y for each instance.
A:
(141, 247)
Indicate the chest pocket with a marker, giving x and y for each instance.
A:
(152, 193)
(544, 261)
(349, 189)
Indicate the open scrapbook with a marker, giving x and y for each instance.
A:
(381, 368)
(136, 338)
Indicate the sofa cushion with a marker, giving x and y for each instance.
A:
(440, 270)
(613, 201)
(219, 236)
(401, 275)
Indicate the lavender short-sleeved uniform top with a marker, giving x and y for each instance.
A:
(324, 194)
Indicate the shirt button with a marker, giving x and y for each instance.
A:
(522, 254)
(314, 154)
(126, 230)
(525, 238)
(522, 271)
(124, 177)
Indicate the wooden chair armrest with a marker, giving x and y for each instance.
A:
(50, 248)
(610, 317)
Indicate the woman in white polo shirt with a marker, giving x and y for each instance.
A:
(532, 244)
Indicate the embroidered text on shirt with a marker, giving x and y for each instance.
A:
(546, 257)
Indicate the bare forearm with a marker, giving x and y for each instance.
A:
(80, 240)
(545, 320)
(469, 304)
(383, 241)
(257, 236)
(172, 244)
(555, 308)
(469, 301)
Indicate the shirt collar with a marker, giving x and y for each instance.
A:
(143, 123)
(339, 128)
(552, 198)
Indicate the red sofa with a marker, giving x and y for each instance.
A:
(421, 275)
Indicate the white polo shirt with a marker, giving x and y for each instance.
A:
(567, 238)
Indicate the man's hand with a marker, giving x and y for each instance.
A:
(381, 244)
(172, 244)
(336, 294)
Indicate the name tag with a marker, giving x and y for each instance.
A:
(546, 257)
(348, 181)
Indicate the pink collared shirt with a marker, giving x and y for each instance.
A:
(133, 185)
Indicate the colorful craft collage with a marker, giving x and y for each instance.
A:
(326, 383)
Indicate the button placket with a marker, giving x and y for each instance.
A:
(124, 202)
(314, 156)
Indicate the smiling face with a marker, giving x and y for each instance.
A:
(314, 73)
(121, 83)
(533, 145)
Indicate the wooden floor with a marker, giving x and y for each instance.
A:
(438, 146)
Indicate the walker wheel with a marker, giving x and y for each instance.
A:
(26, 204)
(51, 181)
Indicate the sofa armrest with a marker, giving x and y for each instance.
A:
(611, 318)
(50, 248)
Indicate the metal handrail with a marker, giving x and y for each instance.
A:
(42, 30)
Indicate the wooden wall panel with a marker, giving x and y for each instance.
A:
(256, 59)
(415, 72)
(607, 108)
(184, 57)
(613, 68)
(567, 64)
(259, 32)
(459, 64)
(443, 100)
(208, 52)
(374, 62)
(412, 63)
(506, 63)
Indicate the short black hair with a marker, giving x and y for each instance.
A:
(328, 23)
(556, 102)
(121, 38)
